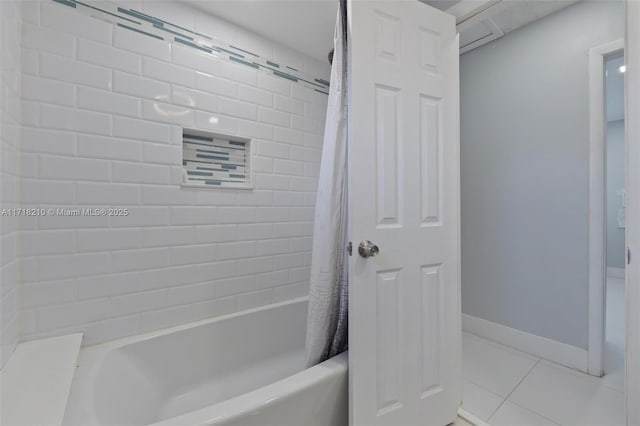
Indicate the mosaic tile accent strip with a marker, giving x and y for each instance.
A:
(215, 160)
(159, 29)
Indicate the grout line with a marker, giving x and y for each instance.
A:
(516, 387)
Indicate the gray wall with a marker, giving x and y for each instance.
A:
(615, 181)
(524, 148)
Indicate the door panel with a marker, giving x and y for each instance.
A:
(404, 319)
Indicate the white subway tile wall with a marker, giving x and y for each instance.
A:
(10, 170)
(103, 110)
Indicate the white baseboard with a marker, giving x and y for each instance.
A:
(470, 418)
(551, 350)
(615, 272)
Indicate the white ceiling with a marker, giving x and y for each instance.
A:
(308, 25)
(303, 25)
(615, 89)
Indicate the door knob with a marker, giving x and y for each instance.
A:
(367, 249)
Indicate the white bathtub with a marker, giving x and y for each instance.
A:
(243, 369)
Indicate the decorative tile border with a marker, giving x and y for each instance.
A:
(211, 159)
(159, 29)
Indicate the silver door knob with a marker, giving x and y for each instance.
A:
(367, 249)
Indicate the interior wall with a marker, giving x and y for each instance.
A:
(103, 108)
(524, 161)
(615, 182)
(10, 14)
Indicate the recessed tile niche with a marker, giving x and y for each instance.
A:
(214, 160)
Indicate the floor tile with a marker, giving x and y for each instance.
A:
(494, 367)
(478, 401)
(569, 397)
(510, 414)
(460, 422)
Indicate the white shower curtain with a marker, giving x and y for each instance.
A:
(328, 292)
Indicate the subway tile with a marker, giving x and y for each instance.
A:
(107, 285)
(30, 112)
(110, 148)
(45, 90)
(216, 233)
(254, 299)
(71, 218)
(108, 56)
(274, 214)
(215, 85)
(60, 316)
(137, 260)
(192, 254)
(139, 86)
(47, 242)
(167, 113)
(288, 104)
(216, 122)
(48, 293)
(194, 99)
(274, 84)
(304, 93)
(256, 130)
(107, 239)
(142, 130)
(271, 181)
(48, 141)
(238, 109)
(107, 194)
(47, 192)
(161, 154)
(132, 41)
(61, 118)
(167, 195)
(273, 149)
(305, 124)
(193, 215)
(73, 168)
(104, 101)
(239, 73)
(139, 173)
(47, 40)
(192, 59)
(270, 116)
(289, 136)
(288, 167)
(142, 216)
(139, 302)
(72, 265)
(167, 236)
(236, 250)
(164, 71)
(270, 247)
(237, 214)
(256, 96)
(75, 72)
(29, 61)
(65, 19)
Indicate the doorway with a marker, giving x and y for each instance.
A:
(615, 221)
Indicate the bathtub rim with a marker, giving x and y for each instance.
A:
(262, 396)
(141, 337)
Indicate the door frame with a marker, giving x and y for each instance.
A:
(632, 141)
(597, 214)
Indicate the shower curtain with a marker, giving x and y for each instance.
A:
(328, 287)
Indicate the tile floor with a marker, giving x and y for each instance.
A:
(506, 387)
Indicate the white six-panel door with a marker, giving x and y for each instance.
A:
(404, 319)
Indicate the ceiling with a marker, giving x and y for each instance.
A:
(615, 89)
(308, 25)
(303, 25)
